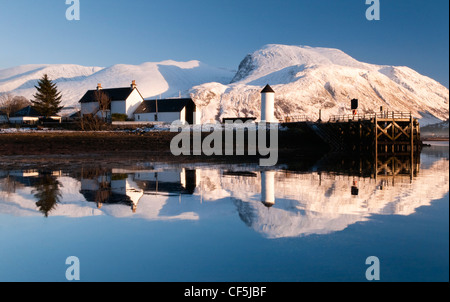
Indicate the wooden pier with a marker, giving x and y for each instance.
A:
(380, 133)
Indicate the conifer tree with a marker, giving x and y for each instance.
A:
(48, 98)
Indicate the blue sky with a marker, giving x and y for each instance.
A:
(411, 32)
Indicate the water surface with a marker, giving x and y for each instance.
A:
(146, 221)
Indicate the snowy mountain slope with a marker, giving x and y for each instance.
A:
(308, 79)
(24, 77)
(272, 58)
(167, 78)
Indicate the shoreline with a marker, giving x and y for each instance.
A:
(151, 146)
(435, 139)
(60, 146)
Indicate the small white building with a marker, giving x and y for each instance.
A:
(123, 100)
(27, 116)
(30, 116)
(168, 111)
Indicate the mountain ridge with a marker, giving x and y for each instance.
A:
(306, 79)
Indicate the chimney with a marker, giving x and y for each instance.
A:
(99, 86)
(133, 84)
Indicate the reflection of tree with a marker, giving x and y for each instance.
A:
(103, 193)
(8, 185)
(47, 192)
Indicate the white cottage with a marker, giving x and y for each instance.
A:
(123, 100)
(168, 111)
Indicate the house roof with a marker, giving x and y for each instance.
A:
(165, 105)
(114, 94)
(27, 111)
(267, 89)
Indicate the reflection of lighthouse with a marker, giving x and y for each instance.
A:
(268, 105)
(355, 189)
(268, 188)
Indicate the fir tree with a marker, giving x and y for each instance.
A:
(48, 98)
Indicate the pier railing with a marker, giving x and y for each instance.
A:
(368, 116)
(297, 118)
(392, 115)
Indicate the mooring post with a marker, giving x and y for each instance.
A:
(360, 136)
(376, 147)
(412, 144)
(393, 133)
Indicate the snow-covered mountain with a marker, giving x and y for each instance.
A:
(165, 79)
(306, 79)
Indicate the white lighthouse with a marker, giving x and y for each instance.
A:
(268, 188)
(268, 105)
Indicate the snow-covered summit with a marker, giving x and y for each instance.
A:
(272, 58)
(308, 79)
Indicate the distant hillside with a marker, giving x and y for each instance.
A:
(439, 130)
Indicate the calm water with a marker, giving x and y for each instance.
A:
(164, 222)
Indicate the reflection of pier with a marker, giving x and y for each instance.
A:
(396, 167)
(384, 165)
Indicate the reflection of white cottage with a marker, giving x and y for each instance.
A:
(129, 188)
(167, 182)
(123, 100)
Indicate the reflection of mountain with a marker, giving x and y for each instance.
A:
(277, 203)
(322, 203)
